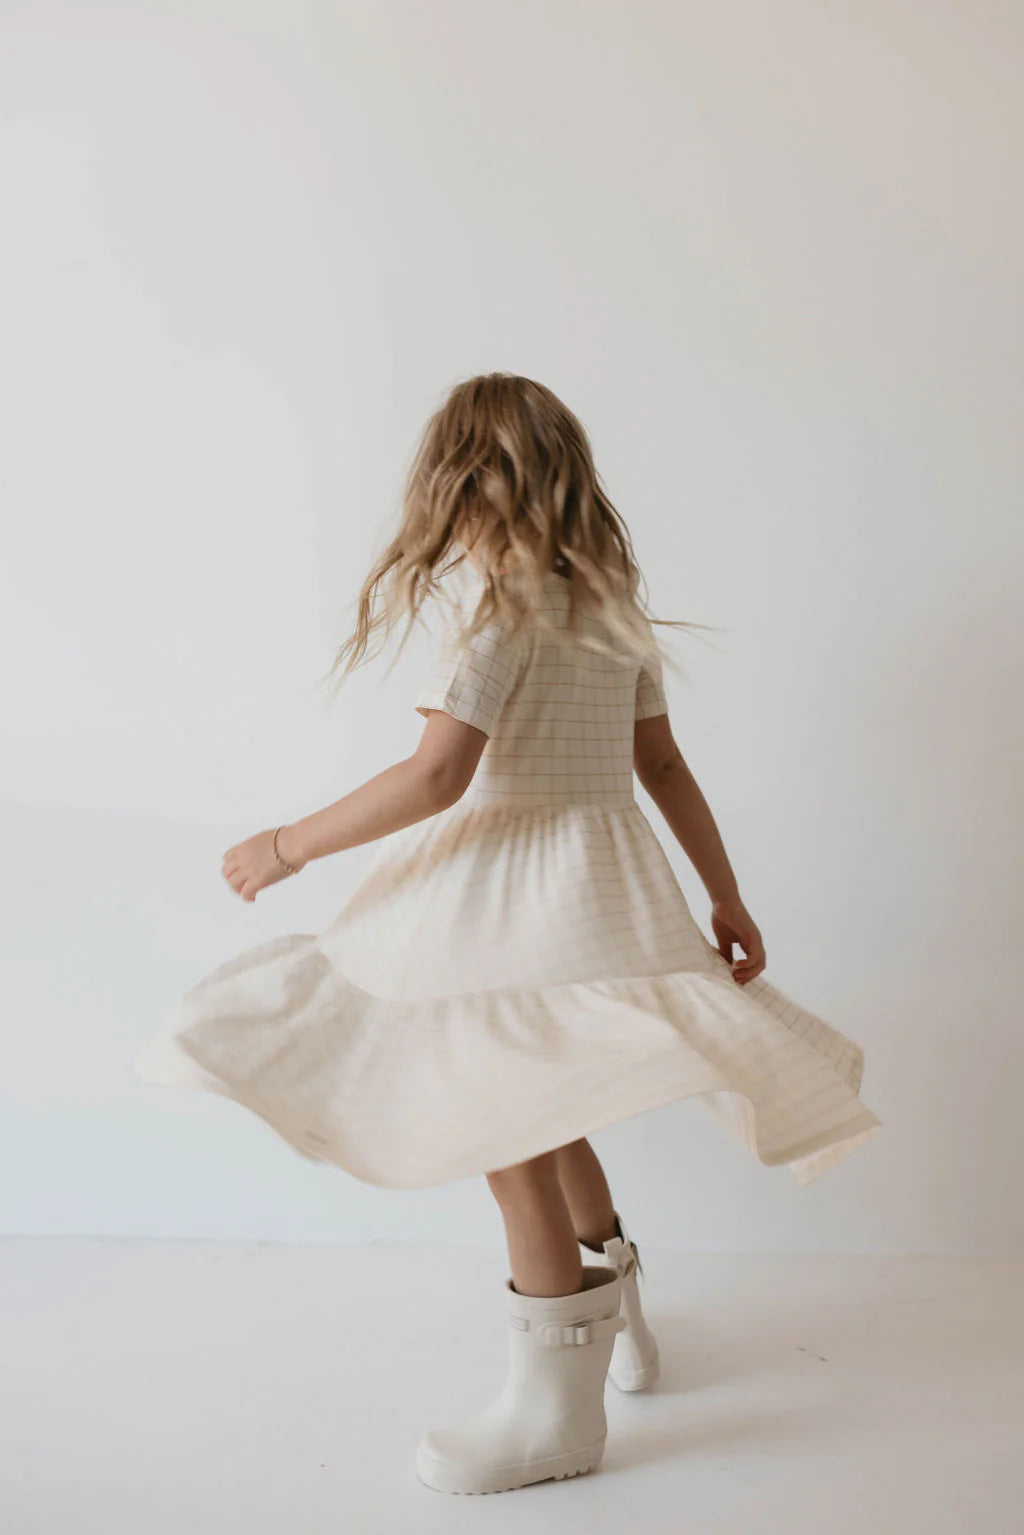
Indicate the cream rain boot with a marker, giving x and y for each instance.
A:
(634, 1364)
(548, 1420)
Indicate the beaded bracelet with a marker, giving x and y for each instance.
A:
(287, 867)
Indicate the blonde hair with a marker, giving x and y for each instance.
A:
(505, 467)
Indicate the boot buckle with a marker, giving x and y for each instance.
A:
(556, 1336)
(577, 1334)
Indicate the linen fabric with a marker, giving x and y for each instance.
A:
(519, 970)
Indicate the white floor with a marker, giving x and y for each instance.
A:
(200, 1387)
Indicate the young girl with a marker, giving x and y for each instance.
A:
(519, 966)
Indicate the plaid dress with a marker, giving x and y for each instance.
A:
(518, 970)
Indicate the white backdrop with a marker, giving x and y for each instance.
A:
(771, 255)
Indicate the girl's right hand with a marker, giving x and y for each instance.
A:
(251, 866)
(732, 923)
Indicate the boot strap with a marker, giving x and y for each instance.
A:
(626, 1257)
(628, 1246)
(554, 1335)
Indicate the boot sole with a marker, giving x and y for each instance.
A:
(637, 1380)
(445, 1476)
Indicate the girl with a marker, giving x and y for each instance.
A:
(519, 966)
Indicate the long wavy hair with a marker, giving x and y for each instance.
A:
(504, 468)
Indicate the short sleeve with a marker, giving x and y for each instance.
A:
(650, 691)
(472, 681)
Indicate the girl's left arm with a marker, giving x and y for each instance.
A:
(437, 775)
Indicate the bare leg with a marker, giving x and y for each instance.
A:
(586, 1193)
(542, 1247)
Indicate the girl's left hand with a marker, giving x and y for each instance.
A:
(732, 923)
(251, 866)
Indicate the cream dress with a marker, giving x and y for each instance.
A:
(518, 970)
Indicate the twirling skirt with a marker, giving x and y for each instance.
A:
(504, 981)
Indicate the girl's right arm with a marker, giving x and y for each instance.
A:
(431, 780)
(662, 770)
(438, 774)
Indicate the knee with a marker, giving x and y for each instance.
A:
(524, 1181)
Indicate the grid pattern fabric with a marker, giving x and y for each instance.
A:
(559, 719)
(517, 971)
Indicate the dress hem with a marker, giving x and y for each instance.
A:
(800, 1107)
(806, 1165)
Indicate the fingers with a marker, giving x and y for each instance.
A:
(736, 927)
(725, 940)
(242, 884)
(753, 963)
(246, 869)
